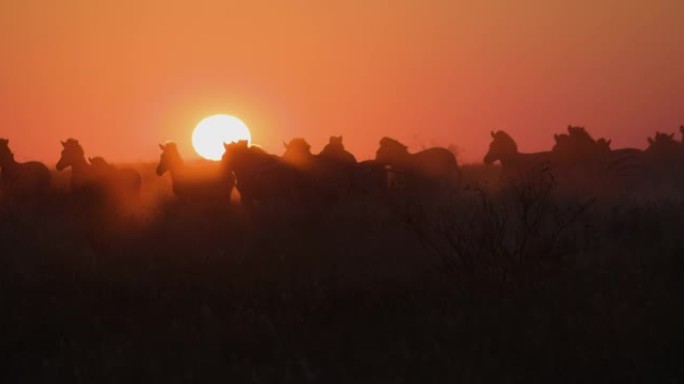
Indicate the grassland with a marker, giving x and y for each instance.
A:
(485, 286)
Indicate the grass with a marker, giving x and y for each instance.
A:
(367, 290)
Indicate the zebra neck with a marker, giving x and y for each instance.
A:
(177, 169)
(9, 163)
(512, 159)
(80, 166)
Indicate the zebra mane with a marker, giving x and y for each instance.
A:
(73, 145)
(505, 137)
(664, 138)
(71, 142)
(336, 142)
(170, 145)
(580, 134)
(389, 142)
(98, 161)
(298, 144)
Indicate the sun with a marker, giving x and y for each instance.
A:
(210, 134)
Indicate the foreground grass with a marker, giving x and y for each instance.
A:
(343, 293)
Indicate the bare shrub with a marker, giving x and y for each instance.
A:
(504, 237)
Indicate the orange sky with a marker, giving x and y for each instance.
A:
(123, 75)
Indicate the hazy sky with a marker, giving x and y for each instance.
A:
(123, 75)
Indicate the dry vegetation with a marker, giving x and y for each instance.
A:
(495, 284)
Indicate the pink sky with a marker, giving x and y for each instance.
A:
(123, 75)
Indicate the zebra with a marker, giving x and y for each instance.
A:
(335, 151)
(22, 180)
(125, 181)
(261, 177)
(190, 184)
(615, 171)
(577, 158)
(516, 167)
(99, 182)
(82, 176)
(580, 161)
(298, 154)
(429, 170)
(341, 168)
(665, 160)
(329, 178)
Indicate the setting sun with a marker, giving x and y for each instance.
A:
(210, 134)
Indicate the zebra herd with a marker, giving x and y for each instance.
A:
(297, 175)
(300, 175)
(580, 162)
(576, 161)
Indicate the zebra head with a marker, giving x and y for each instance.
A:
(72, 154)
(297, 147)
(662, 140)
(335, 143)
(234, 153)
(603, 145)
(100, 165)
(391, 151)
(298, 153)
(6, 155)
(170, 159)
(501, 147)
(98, 161)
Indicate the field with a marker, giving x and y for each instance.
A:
(490, 285)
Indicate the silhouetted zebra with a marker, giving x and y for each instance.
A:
(327, 176)
(341, 168)
(196, 184)
(579, 160)
(427, 171)
(591, 165)
(125, 181)
(261, 177)
(22, 180)
(99, 183)
(515, 166)
(624, 169)
(665, 160)
(335, 151)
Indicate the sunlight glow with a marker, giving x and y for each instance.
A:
(210, 134)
